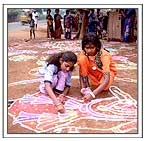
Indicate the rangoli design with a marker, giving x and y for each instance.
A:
(37, 113)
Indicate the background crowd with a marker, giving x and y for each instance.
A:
(74, 23)
(91, 20)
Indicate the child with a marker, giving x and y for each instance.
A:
(58, 24)
(96, 65)
(68, 21)
(91, 21)
(50, 30)
(57, 77)
(32, 26)
(35, 16)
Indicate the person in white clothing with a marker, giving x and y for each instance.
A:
(57, 74)
(35, 18)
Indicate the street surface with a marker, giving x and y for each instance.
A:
(18, 26)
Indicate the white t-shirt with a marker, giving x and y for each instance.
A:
(35, 17)
(50, 70)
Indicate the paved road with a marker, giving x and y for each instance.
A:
(17, 25)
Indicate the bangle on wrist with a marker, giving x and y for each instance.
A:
(92, 94)
(57, 104)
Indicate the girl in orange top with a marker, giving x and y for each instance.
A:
(95, 65)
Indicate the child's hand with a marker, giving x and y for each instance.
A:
(87, 98)
(85, 91)
(88, 94)
(60, 108)
(62, 98)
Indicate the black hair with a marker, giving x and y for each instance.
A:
(67, 56)
(67, 11)
(92, 38)
(57, 10)
(30, 15)
(92, 10)
(48, 11)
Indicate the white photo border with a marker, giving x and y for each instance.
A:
(140, 73)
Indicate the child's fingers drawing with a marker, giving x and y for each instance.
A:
(62, 98)
(87, 98)
(60, 107)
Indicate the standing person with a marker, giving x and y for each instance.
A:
(96, 67)
(99, 26)
(68, 25)
(32, 26)
(35, 17)
(105, 24)
(58, 26)
(80, 17)
(91, 21)
(57, 77)
(128, 24)
(50, 30)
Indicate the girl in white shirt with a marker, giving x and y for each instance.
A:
(57, 77)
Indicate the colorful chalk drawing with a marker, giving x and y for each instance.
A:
(126, 64)
(17, 52)
(22, 58)
(127, 47)
(112, 51)
(41, 61)
(121, 58)
(34, 72)
(51, 51)
(21, 45)
(24, 82)
(61, 46)
(126, 79)
(37, 113)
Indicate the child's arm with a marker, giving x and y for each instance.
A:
(66, 90)
(62, 97)
(89, 97)
(84, 82)
(103, 84)
(106, 61)
(67, 84)
(51, 94)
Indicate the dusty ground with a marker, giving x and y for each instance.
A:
(24, 56)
